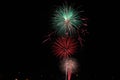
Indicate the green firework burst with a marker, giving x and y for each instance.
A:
(66, 20)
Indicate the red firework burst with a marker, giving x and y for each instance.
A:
(64, 47)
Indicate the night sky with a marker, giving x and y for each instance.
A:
(27, 23)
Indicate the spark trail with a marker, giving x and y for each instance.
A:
(69, 65)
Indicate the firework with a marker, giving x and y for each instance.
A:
(69, 24)
(69, 66)
(66, 20)
(64, 47)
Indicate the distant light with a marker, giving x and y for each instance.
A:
(76, 75)
(16, 79)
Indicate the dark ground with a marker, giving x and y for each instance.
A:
(26, 23)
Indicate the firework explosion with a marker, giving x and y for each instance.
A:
(69, 66)
(66, 20)
(64, 47)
